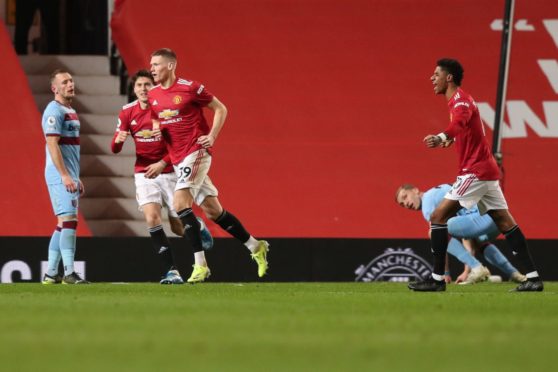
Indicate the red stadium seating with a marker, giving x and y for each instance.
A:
(329, 102)
(25, 204)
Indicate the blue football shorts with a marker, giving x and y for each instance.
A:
(64, 203)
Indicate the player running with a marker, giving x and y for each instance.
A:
(61, 128)
(477, 180)
(177, 112)
(467, 224)
(154, 176)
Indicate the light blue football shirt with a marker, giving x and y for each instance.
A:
(62, 121)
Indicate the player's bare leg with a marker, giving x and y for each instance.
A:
(518, 244)
(212, 207)
(176, 225)
(228, 222)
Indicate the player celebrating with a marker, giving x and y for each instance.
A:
(477, 181)
(177, 112)
(468, 224)
(154, 176)
(61, 128)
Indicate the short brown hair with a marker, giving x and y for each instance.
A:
(56, 72)
(165, 52)
(141, 73)
(405, 186)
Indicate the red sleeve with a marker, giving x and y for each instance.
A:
(167, 159)
(202, 95)
(460, 115)
(123, 125)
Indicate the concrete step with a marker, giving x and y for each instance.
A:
(107, 165)
(88, 103)
(102, 84)
(109, 187)
(98, 123)
(98, 144)
(110, 208)
(76, 65)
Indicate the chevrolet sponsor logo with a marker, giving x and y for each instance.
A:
(146, 133)
(167, 114)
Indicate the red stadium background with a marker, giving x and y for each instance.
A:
(328, 104)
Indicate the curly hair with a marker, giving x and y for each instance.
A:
(453, 67)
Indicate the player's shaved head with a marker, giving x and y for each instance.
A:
(62, 85)
(163, 65)
(409, 196)
(57, 72)
(453, 68)
(405, 186)
(165, 53)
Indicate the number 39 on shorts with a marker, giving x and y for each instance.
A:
(183, 173)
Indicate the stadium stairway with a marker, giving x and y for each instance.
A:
(109, 204)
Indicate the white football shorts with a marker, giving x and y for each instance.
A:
(469, 190)
(158, 190)
(191, 174)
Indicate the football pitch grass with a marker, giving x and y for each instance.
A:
(276, 327)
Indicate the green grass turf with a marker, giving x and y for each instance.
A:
(276, 327)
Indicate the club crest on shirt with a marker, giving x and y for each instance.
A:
(176, 100)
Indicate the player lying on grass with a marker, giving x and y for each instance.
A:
(467, 224)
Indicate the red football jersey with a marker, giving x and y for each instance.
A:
(470, 140)
(179, 109)
(149, 149)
